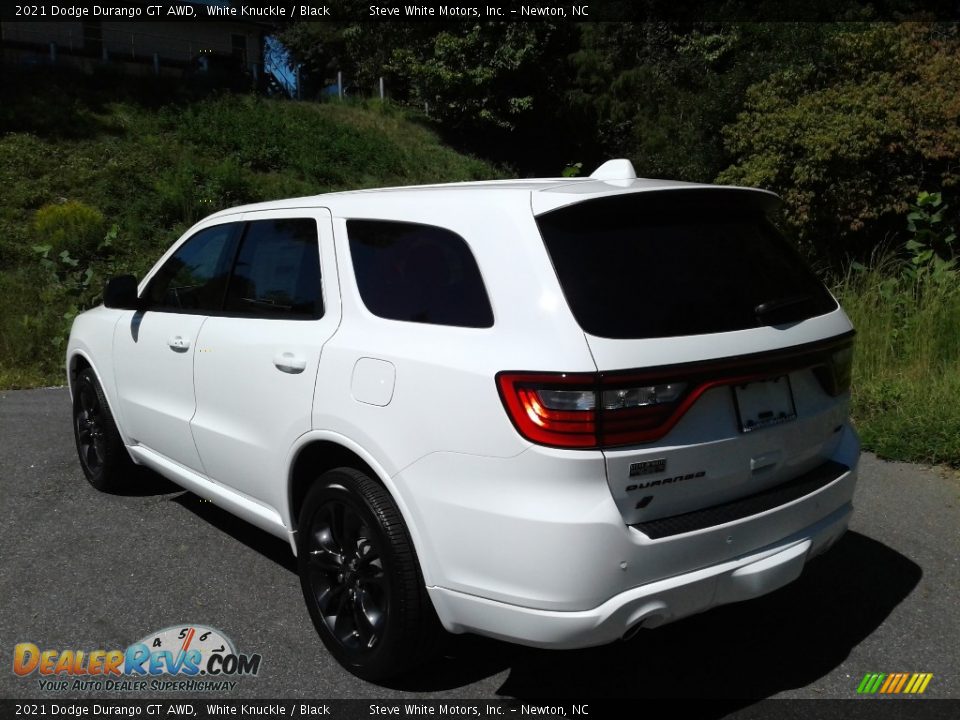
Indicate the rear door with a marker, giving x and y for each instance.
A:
(721, 355)
(256, 362)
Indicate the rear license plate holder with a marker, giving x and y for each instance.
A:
(764, 403)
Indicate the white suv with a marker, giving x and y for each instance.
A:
(548, 411)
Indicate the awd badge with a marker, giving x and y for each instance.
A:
(648, 467)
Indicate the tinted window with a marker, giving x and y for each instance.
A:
(277, 272)
(417, 273)
(686, 263)
(195, 277)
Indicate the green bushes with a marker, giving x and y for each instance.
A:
(849, 140)
(70, 227)
(324, 146)
(906, 391)
(70, 261)
(78, 207)
(189, 191)
(906, 396)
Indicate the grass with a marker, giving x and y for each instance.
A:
(151, 169)
(906, 382)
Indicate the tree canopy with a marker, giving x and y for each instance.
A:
(851, 142)
(847, 121)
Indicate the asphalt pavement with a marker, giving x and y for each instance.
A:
(84, 570)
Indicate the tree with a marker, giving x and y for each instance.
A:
(661, 92)
(494, 88)
(849, 143)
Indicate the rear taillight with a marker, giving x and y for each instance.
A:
(834, 375)
(557, 409)
(602, 410)
(589, 410)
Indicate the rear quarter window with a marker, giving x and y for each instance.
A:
(417, 273)
(650, 265)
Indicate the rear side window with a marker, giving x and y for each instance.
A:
(195, 277)
(652, 265)
(417, 273)
(277, 271)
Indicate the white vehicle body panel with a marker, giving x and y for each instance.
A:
(250, 405)
(624, 354)
(516, 540)
(155, 382)
(247, 508)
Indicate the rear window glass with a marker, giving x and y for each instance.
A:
(687, 263)
(417, 273)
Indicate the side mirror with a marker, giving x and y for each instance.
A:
(121, 293)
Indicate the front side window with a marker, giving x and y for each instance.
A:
(417, 273)
(195, 277)
(277, 272)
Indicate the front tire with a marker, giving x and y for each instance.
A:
(361, 578)
(103, 457)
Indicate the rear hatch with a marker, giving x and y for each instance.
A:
(723, 361)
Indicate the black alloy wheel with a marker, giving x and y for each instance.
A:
(91, 444)
(103, 458)
(345, 566)
(361, 578)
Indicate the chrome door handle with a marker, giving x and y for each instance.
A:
(179, 343)
(289, 363)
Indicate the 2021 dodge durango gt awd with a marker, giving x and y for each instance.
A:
(547, 411)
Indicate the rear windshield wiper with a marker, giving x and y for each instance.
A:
(772, 306)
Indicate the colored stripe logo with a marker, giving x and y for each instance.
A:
(894, 683)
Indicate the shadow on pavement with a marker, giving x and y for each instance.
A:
(143, 482)
(738, 653)
(270, 546)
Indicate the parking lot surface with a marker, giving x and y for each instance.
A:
(84, 570)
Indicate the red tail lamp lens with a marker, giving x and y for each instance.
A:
(562, 410)
(602, 410)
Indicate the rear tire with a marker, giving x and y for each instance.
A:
(361, 578)
(103, 457)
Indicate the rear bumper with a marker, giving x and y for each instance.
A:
(656, 603)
